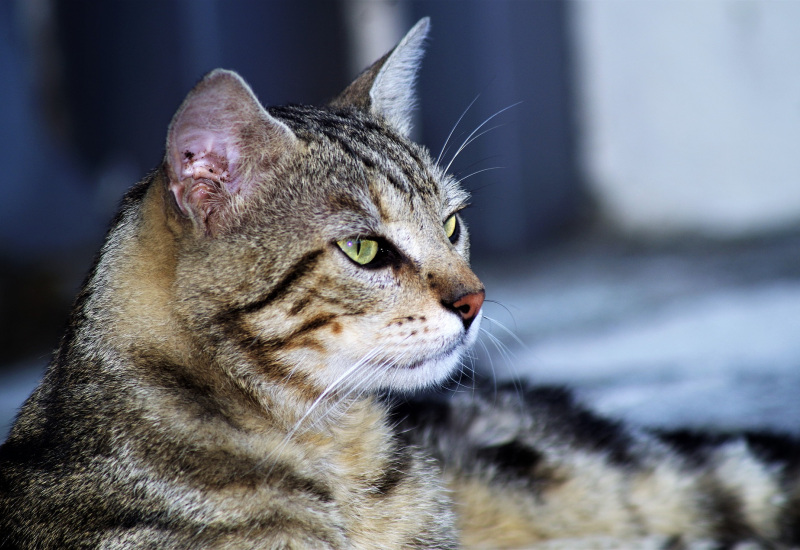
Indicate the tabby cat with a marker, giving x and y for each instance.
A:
(220, 382)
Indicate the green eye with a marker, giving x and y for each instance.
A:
(361, 251)
(450, 227)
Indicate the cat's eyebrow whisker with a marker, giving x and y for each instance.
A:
(446, 141)
(467, 143)
(475, 131)
(461, 179)
(469, 140)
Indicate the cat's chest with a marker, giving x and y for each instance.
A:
(352, 485)
(386, 493)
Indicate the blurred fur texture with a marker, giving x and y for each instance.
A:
(219, 383)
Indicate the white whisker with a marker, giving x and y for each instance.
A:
(336, 384)
(507, 330)
(507, 355)
(471, 139)
(475, 173)
(475, 131)
(446, 141)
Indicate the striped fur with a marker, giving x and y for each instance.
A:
(219, 383)
(529, 467)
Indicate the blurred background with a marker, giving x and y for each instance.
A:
(636, 203)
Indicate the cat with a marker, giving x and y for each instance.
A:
(222, 381)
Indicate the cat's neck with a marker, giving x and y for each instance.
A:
(127, 305)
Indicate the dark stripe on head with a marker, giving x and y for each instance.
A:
(361, 138)
(347, 202)
(345, 143)
(300, 268)
(312, 324)
(407, 147)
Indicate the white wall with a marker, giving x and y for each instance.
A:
(690, 113)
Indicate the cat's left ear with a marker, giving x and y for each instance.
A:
(220, 145)
(387, 88)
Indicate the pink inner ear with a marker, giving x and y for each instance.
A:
(203, 165)
(217, 137)
(209, 157)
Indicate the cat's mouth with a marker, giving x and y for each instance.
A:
(418, 367)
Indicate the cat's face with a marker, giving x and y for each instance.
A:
(327, 247)
(389, 257)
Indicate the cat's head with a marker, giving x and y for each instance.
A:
(319, 246)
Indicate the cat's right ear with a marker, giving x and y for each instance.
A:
(387, 88)
(220, 144)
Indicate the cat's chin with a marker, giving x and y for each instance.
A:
(421, 374)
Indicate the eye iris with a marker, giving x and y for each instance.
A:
(450, 226)
(361, 251)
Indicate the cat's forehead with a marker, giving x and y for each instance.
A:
(361, 162)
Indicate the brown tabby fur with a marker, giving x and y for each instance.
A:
(218, 383)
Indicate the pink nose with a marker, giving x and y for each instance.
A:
(468, 306)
